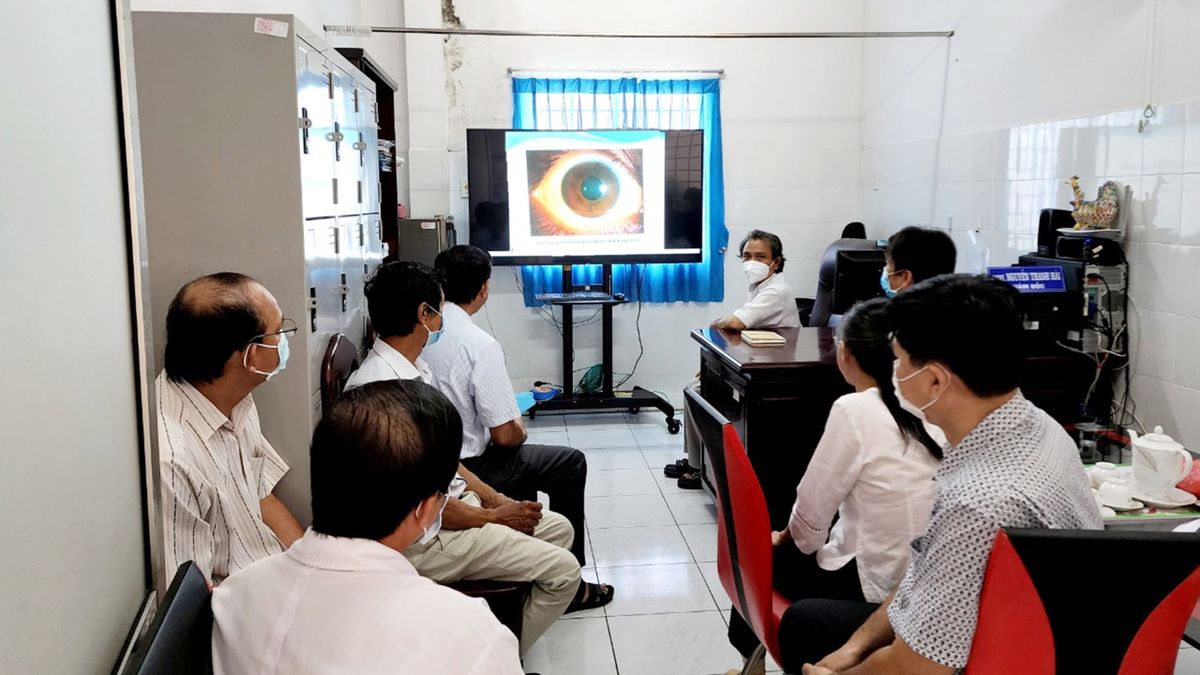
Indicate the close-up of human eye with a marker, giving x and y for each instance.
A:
(585, 192)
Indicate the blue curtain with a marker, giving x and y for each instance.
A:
(631, 103)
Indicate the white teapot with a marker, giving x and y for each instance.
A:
(1159, 462)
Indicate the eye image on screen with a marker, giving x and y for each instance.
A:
(585, 192)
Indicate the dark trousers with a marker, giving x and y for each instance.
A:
(812, 629)
(798, 576)
(522, 472)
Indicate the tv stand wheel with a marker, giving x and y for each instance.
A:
(674, 425)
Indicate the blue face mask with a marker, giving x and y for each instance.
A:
(886, 284)
(434, 335)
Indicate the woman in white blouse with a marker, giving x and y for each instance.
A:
(873, 468)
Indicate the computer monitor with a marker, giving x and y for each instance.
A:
(856, 277)
(565, 197)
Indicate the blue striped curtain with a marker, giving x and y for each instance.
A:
(632, 103)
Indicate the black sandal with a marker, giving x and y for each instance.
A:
(590, 596)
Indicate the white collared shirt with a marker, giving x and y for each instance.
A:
(215, 472)
(881, 485)
(337, 605)
(385, 363)
(468, 367)
(771, 305)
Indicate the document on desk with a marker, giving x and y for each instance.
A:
(762, 338)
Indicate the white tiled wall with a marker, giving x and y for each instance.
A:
(991, 185)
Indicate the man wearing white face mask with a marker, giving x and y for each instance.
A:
(225, 337)
(344, 599)
(485, 534)
(771, 303)
(958, 344)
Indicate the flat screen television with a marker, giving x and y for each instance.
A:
(575, 197)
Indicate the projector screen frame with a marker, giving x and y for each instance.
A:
(697, 256)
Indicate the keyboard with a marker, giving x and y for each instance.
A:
(574, 295)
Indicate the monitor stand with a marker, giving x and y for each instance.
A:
(605, 400)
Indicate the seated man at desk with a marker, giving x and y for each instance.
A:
(344, 599)
(468, 366)
(913, 255)
(225, 337)
(770, 305)
(957, 340)
(484, 535)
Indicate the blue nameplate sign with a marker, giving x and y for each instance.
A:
(1047, 279)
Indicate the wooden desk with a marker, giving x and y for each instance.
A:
(779, 398)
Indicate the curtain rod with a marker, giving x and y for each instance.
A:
(368, 30)
(718, 72)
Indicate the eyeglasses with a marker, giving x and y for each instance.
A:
(288, 326)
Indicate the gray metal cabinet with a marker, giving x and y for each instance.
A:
(260, 157)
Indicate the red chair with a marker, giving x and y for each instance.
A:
(1091, 601)
(744, 552)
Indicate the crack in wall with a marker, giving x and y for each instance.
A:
(452, 51)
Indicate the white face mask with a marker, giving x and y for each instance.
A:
(282, 348)
(428, 533)
(916, 410)
(756, 271)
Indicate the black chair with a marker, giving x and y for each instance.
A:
(179, 640)
(823, 304)
(506, 599)
(855, 230)
(1091, 601)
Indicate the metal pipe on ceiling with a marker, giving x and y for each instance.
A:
(365, 30)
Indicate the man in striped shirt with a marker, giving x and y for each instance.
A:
(225, 336)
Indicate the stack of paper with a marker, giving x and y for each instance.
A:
(762, 338)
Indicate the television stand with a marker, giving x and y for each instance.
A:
(605, 400)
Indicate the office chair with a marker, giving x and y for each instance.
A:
(744, 552)
(1085, 601)
(179, 640)
(855, 230)
(340, 360)
(822, 311)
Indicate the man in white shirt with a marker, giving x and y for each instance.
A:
(225, 337)
(468, 366)
(344, 599)
(484, 535)
(771, 305)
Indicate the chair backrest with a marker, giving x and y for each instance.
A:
(822, 310)
(179, 640)
(855, 230)
(744, 555)
(341, 359)
(1090, 601)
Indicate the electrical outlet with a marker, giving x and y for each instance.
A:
(463, 190)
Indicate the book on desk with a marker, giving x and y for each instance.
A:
(763, 338)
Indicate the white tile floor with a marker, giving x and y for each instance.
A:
(657, 545)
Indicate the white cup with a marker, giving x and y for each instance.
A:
(1115, 492)
(1102, 471)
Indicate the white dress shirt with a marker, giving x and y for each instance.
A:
(881, 485)
(771, 305)
(355, 606)
(385, 363)
(215, 471)
(468, 367)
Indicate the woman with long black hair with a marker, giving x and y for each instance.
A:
(873, 469)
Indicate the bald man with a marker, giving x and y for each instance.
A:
(225, 337)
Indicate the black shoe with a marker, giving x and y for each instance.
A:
(676, 469)
(689, 480)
